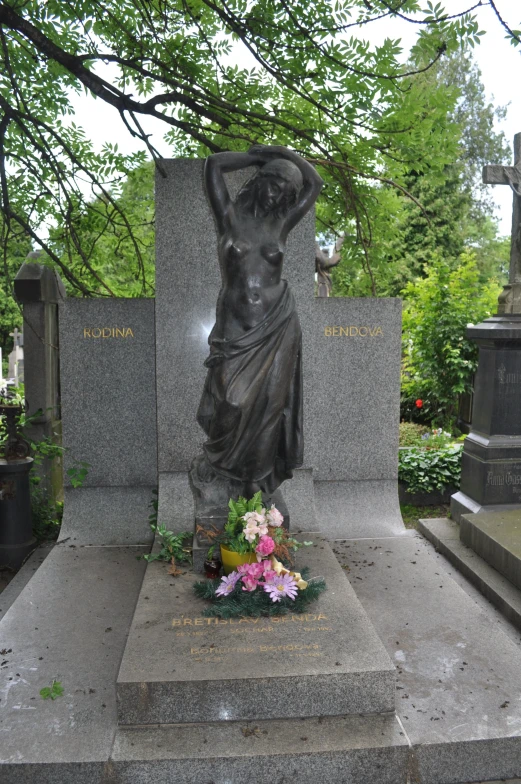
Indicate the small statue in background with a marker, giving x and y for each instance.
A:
(323, 263)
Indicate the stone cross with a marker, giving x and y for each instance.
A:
(17, 337)
(510, 298)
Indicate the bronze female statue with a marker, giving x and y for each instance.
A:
(251, 407)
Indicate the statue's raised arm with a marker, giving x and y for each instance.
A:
(220, 201)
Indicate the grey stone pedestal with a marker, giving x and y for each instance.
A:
(491, 463)
(181, 667)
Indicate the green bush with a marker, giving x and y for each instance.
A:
(438, 359)
(411, 433)
(423, 470)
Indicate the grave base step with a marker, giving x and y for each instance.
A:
(496, 537)
(350, 750)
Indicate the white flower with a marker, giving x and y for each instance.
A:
(254, 517)
(251, 531)
(275, 518)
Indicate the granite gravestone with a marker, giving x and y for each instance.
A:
(180, 666)
(351, 359)
(108, 396)
(491, 461)
(118, 357)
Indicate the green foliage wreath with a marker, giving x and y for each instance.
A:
(256, 603)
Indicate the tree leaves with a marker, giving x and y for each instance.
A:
(219, 76)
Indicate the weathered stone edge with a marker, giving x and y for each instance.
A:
(319, 695)
(495, 587)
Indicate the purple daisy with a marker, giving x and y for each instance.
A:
(228, 583)
(283, 585)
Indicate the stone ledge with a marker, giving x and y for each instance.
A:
(350, 749)
(15, 587)
(458, 672)
(70, 624)
(444, 535)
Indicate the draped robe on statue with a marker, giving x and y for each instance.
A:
(251, 407)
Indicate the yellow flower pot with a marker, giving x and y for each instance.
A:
(232, 560)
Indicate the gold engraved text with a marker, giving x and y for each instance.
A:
(303, 618)
(353, 332)
(107, 332)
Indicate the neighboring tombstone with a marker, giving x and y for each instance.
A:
(39, 290)
(16, 358)
(351, 365)
(491, 462)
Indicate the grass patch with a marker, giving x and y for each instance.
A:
(411, 514)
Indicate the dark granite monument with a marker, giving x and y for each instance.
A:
(491, 463)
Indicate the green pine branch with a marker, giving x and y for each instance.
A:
(256, 603)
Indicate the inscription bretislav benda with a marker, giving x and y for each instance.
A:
(107, 332)
(304, 618)
(353, 332)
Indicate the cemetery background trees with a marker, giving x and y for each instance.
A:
(453, 210)
(399, 145)
(310, 82)
(13, 252)
(110, 244)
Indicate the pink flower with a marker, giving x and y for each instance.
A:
(269, 574)
(249, 583)
(266, 546)
(254, 570)
(275, 518)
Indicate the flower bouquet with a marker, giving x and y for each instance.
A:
(252, 533)
(256, 582)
